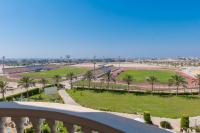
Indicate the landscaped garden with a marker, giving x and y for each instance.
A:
(140, 75)
(52, 73)
(158, 105)
(45, 98)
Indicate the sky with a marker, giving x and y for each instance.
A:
(109, 28)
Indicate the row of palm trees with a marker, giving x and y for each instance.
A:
(27, 82)
(175, 80)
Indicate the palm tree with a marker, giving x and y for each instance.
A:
(26, 82)
(43, 81)
(170, 83)
(128, 79)
(83, 82)
(57, 79)
(177, 81)
(108, 78)
(70, 77)
(197, 81)
(89, 76)
(3, 87)
(152, 80)
(101, 83)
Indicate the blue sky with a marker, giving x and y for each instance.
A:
(84, 28)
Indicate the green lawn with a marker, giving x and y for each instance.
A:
(163, 106)
(52, 73)
(141, 75)
(46, 98)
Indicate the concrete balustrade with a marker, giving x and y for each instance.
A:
(89, 120)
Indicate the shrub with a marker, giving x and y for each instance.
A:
(147, 117)
(16, 96)
(165, 124)
(29, 130)
(45, 129)
(185, 122)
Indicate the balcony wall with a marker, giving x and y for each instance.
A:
(89, 120)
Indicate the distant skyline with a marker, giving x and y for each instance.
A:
(110, 28)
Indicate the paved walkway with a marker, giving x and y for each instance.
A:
(66, 98)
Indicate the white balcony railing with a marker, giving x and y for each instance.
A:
(89, 120)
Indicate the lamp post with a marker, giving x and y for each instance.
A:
(68, 58)
(3, 63)
(119, 61)
(94, 62)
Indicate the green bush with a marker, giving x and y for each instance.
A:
(165, 124)
(197, 128)
(147, 117)
(29, 130)
(45, 128)
(185, 122)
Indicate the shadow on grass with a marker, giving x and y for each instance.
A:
(190, 97)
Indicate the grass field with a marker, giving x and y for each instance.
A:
(52, 73)
(141, 75)
(163, 106)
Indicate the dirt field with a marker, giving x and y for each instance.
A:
(123, 65)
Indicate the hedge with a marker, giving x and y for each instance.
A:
(136, 92)
(147, 117)
(185, 122)
(165, 124)
(31, 92)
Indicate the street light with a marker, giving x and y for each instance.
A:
(94, 62)
(119, 61)
(68, 57)
(3, 63)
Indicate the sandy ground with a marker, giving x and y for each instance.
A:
(124, 65)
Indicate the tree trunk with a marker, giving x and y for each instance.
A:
(89, 84)
(21, 96)
(199, 89)
(101, 85)
(27, 93)
(176, 90)
(152, 87)
(71, 84)
(3, 96)
(128, 88)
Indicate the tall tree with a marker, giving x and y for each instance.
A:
(178, 81)
(170, 83)
(128, 79)
(3, 87)
(44, 82)
(26, 82)
(89, 76)
(101, 83)
(70, 76)
(108, 78)
(57, 79)
(152, 80)
(197, 82)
